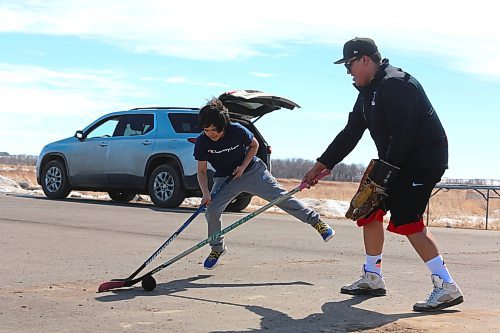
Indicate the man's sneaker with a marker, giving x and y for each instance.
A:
(370, 284)
(213, 259)
(324, 230)
(442, 296)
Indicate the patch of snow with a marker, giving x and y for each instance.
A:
(9, 186)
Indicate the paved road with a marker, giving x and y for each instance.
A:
(278, 276)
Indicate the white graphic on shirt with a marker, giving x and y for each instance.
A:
(226, 150)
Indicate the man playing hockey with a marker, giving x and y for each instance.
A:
(413, 155)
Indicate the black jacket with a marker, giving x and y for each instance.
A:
(402, 122)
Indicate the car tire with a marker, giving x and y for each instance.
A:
(118, 196)
(165, 187)
(239, 203)
(55, 182)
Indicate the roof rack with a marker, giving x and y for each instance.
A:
(164, 108)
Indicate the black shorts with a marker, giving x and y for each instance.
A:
(409, 194)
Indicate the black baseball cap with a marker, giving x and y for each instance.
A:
(357, 47)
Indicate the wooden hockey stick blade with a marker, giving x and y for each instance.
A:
(112, 285)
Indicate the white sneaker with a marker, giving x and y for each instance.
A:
(370, 284)
(442, 296)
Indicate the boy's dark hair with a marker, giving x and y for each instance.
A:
(214, 113)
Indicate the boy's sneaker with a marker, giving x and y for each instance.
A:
(370, 284)
(324, 230)
(213, 259)
(442, 296)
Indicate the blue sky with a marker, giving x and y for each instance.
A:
(64, 63)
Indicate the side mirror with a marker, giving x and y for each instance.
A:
(79, 135)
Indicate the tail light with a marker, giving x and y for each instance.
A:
(192, 140)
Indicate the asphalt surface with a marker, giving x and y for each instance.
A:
(278, 274)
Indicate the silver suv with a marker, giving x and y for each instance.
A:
(146, 151)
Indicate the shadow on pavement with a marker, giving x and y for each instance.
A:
(340, 316)
(135, 204)
(176, 286)
(103, 202)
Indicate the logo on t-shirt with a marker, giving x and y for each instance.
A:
(225, 150)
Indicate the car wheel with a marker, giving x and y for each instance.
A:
(121, 196)
(239, 203)
(165, 187)
(55, 182)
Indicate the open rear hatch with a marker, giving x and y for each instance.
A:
(254, 103)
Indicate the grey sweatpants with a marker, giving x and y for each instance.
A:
(258, 181)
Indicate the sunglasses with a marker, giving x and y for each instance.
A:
(348, 64)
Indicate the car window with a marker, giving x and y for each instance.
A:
(132, 125)
(185, 122)
(105, 129)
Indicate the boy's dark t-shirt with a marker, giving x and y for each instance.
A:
(228, 152)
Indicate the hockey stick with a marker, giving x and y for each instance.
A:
(118, 283)
(148, 282)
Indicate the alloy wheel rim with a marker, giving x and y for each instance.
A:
(53, 179)
(163, 187)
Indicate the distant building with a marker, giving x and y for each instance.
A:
(4, 153)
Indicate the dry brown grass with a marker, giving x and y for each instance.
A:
(454, 208)
(19, 172)
(464, 209)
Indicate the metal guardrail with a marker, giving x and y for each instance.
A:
(485, 191)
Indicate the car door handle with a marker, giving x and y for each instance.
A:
(147, 142)
(103, 144)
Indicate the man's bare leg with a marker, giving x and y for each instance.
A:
(373, 234)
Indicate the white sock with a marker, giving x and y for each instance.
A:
(438, 267)
(374, 264)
